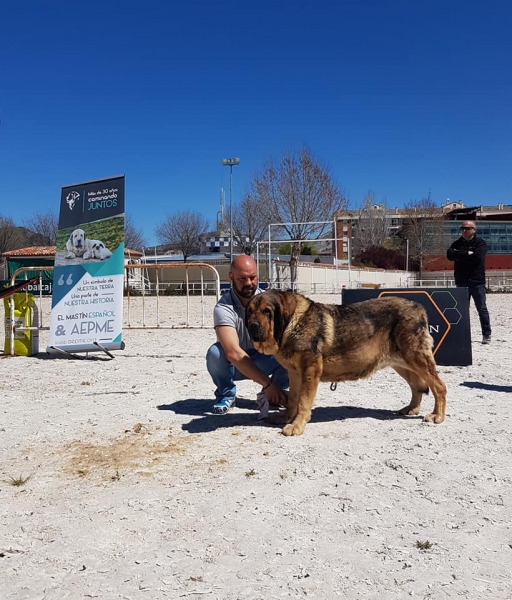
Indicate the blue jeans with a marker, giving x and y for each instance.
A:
(224, 374)
(477, 292)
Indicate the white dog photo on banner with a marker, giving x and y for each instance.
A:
(79, 245)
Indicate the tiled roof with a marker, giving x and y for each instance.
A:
(32, 251)
(50, 251)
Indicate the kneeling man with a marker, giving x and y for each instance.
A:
(233, 357)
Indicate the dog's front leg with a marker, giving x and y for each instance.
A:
(286, 416)
(310, 378)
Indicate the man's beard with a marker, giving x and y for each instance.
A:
(247, 291)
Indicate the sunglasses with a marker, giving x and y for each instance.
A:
(467, 228)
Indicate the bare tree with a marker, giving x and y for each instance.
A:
(45, 224)
(183, 230)
(133, 237)
(300, 193)
(249, 224)
(422, 228)
(10, 237)
(372, 227)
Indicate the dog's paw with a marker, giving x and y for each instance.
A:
(408, 411)
(434, 418)
(294, 429)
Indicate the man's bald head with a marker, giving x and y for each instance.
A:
(243, 262)
(468, 229)
(244, 277)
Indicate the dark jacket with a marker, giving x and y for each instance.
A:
(469, 269)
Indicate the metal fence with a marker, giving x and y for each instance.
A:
(148, 297)
(154, 289)
(192, 302)
(493, 283)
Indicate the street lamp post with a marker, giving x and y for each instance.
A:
(230, 162)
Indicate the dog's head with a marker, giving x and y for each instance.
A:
(266, 318)
(77, 239)
(97, 247)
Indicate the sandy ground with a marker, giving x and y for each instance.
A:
(129, 488)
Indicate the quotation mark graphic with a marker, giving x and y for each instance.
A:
(69, 280)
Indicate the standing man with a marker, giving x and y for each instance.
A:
(468, 254)
(233, 356)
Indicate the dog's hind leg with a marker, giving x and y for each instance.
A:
(439, 392)
(418, 388)
(424, 370)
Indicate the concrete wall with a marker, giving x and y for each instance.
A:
(327, 278)
(311, 277)
(493, 262)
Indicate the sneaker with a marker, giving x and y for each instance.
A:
(486, 339)
(223, 406)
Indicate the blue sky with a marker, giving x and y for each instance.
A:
(397, 97)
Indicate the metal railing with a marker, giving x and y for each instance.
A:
(190, 291)
(493, 283)
(186, 288)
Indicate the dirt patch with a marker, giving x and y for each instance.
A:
(142, 447)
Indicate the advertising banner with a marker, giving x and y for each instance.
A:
(33, 285)
(87, 300)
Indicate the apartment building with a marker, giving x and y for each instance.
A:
(494, 224)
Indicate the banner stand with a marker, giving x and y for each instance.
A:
(87, 295)
(58, 350)
(105, 350)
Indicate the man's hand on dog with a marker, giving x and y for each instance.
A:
(275, 395)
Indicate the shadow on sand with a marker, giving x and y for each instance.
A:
(206, 421)
(478, 385)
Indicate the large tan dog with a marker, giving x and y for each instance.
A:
(326, 342)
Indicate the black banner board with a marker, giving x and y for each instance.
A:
(448, 318)
(91, 201)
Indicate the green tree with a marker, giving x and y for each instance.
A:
(307, 249)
